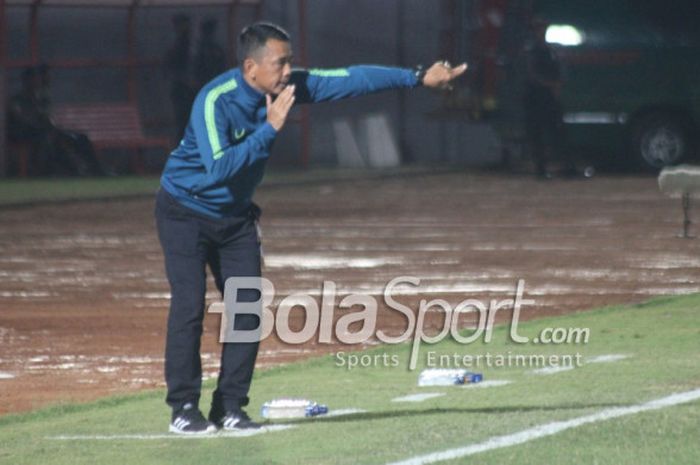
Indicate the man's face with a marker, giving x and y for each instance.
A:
(271, 68)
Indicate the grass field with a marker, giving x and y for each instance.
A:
(23, 191)
(660, 339)
(20, 191)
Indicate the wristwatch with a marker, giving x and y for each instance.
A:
(419, 73)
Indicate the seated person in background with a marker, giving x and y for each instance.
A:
(53, 150)
(28, 122)
(74, 147)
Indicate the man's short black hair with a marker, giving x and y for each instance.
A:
(255, 36)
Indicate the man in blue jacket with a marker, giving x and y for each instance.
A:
(204, 209)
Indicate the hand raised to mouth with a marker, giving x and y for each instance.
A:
(278, 109)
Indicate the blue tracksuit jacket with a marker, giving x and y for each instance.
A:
(222, 156)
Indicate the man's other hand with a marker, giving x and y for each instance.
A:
(278, 110)
(441, 74)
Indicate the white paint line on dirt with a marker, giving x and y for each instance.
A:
(436, 288)
(150, 437)
(107, 369)
(487, 384)
(4, 375)
(315, 262)
(526, 247)
(141, 295)
(665, 262)
(549, 429)
(418, 397)
(24, 294)
(607, 358)
(138, 360)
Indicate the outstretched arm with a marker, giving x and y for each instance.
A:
(319, 85)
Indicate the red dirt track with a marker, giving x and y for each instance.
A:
(83, 296)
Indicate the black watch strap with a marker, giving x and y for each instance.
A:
(419, 73)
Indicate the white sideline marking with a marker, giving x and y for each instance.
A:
(551, 370)
(6, 375)
(147, 437)
(549, 429)
(341, 412)
(220, 434)
(418, 397)
(489, 383)
(607, 358)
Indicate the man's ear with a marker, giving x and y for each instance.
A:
(249, 67)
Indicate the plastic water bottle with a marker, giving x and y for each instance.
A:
(292, 408)
(447, 377)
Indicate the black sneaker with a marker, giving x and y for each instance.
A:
(189, 420)
(235, 420)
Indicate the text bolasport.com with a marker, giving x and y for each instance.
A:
(319, 320)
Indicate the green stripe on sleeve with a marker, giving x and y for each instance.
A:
(210, 115)
(338, 72)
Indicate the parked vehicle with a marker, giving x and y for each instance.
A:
(631, 87)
